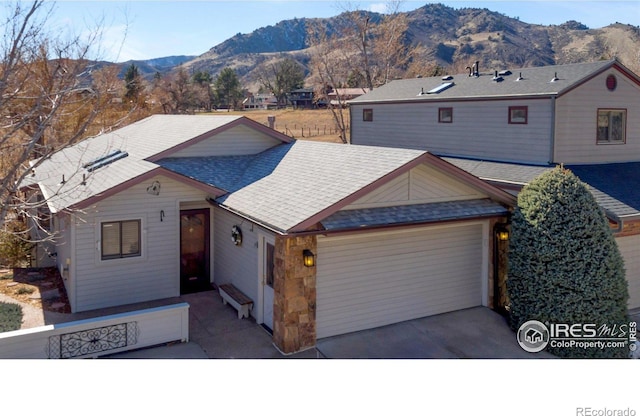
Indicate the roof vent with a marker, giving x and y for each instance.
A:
(105, 160)
(504, 73)
(497, 78)
(555, 77)
(519, 77)
(447, 78)
(439, 88)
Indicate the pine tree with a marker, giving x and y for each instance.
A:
(564, 263)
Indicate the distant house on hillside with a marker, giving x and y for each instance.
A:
(340, 96)
(302, 98)
(260, 102)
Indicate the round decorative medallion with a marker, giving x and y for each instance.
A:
(612, 82)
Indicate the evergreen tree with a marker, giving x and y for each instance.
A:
(227, 87)
(133, 82)
(564, 263)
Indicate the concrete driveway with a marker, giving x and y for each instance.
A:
(469, 333)
(216, 332)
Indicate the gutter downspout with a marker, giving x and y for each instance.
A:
(553, 131)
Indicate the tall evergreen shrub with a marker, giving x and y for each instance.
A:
(564, 263)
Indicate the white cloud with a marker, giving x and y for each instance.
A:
(378, 7)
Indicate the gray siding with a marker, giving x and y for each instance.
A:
(480, 129)
(154, 275)
(422, 184)
(630, 249)
(237, 264)
(240, 140)
(576, 122)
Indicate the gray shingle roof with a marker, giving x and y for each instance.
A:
(290, 183)
(615, 186)
(535, 81)
(413, 214)
(139, 140)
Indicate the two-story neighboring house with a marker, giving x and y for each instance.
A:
(507, 126)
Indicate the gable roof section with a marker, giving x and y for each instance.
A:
(535, 82)
(292, 187)
(614, 185)
(61, 177)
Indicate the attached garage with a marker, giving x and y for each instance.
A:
(630, 250)
(374, 279)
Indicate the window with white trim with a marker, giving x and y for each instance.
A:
(612, 126)
(120, 239)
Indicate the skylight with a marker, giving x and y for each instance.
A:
(105, 160)
(441, 87)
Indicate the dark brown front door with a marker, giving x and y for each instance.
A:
(194, 251)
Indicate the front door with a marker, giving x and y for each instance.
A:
(267, 281)
(194, 251)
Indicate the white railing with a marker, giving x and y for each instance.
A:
(95, 337)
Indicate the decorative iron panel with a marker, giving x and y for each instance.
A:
(93, 341)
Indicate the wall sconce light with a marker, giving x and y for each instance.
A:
(308, 258)
(502, 234)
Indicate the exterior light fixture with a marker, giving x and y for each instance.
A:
(308, 258)
(502, 233)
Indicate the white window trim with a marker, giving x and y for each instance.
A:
(99, 261)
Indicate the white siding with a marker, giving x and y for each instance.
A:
(422, 184)
(240, 140)
(237, 264)
(576, 122)
(373, 280)
(480, 129)
(630, 249)
(154, 275)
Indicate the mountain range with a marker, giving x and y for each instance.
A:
(452, 38)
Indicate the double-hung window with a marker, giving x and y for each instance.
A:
(120, 239)
(612, 125)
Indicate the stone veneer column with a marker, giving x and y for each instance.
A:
(294, 306)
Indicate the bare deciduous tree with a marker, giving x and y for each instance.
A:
(49, 99)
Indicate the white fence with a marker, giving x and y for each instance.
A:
(92, 338)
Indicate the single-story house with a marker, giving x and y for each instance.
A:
(324, 238)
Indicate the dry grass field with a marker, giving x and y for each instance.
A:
(301, 124)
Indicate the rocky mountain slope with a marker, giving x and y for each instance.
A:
(452, 38)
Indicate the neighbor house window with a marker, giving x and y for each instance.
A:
(445, 115)
(612, 125)
(518, 115)
(120, 239)
(367, 114)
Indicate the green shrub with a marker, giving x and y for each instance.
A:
(564, 263)
(10, 317)
(14, 246)
(25, 290)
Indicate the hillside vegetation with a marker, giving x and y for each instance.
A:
(451, 38)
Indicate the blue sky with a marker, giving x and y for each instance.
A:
(145, 29)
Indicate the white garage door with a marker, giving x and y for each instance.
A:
(630, 250)
(373, 280)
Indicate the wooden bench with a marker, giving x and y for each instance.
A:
(232, 295)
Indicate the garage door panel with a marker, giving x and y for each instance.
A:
(369, 281)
